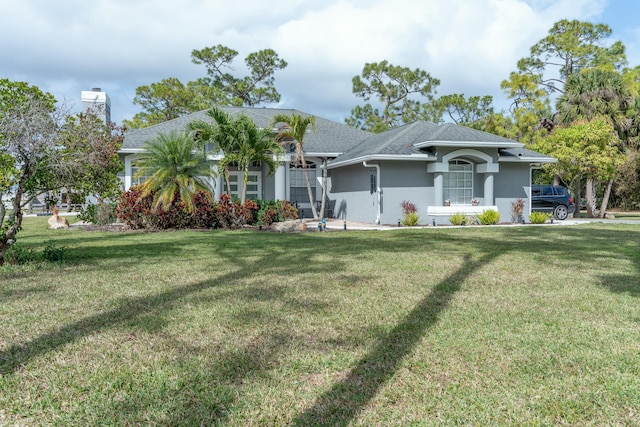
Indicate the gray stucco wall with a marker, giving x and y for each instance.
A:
(350, 190)
(350, 194)
(408, 180)
(511, 183)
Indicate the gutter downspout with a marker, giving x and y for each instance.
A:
(378, 189)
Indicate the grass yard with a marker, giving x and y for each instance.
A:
(536, 325)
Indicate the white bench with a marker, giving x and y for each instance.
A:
(453, 209)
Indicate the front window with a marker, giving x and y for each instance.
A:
(298, 185)
(137, 180)
(458, 183)
(254, 187)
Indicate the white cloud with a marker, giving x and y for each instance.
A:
(470, 45)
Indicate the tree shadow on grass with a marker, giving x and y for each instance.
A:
(341, 404)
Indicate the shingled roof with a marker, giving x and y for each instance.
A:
(350, 145)
(331, 138)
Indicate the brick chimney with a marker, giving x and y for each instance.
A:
(97, 98)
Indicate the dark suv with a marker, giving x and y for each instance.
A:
(552, 198)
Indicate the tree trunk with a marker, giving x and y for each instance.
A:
(306, 177)
(324, 187)
(313, 205)
(578, 196)
(591, 199)
(227, 178)
(15, 220)
(605, 199)
(245, 180)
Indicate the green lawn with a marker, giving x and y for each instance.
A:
(536, 325)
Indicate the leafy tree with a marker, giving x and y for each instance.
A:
(627, 182)
(584, 149)
(292, 129)
(165, 100)
(393, 87)
(469, 112)
(170, 98)
(174, 168)
(89, 157)
(42, 151)
(251, 90)
(570, 47)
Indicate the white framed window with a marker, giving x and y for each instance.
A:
(139, 180)
(298, 185)
(458, 182)
(254, 184)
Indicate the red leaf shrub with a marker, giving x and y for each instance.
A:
(231, 214)
(137, 213)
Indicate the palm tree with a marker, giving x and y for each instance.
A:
(174, 168)
(593, 93)
(253, 145)
(294, 130)
(221, 134)
(240, 141)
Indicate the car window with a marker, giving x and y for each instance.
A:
(547, 191)
(535, 192)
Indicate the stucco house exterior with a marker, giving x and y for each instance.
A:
(439, 168)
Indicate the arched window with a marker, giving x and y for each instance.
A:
(297, 183)
(458, 182)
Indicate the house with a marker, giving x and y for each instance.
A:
(439, 168)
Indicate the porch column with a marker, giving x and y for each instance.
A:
(488, 189)
(438, 186)
(218, 190)
(280, 182)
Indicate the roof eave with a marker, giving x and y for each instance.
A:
(474, 144)
(373, 157)
(523, 159)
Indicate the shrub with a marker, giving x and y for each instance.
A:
(458, 218)
(539, 217)
(101, 214)
(137, 213)
(408, 207)
(271, 211)
(231, 214)
(19, 255)
(411, 219)
(489, 217)
(409, 212)
(53, 253)
(132, 209)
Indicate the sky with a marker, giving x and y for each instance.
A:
(67, 46)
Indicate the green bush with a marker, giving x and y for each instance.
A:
(458, 218)
(100, 214)
(53, 253)
(411, 219)
(489, 217)
(539, 217)
(271, 211)
(19, 255)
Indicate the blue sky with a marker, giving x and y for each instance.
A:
(68, 46)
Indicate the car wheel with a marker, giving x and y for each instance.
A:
(561, 212)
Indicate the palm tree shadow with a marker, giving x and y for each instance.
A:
(345, 399)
